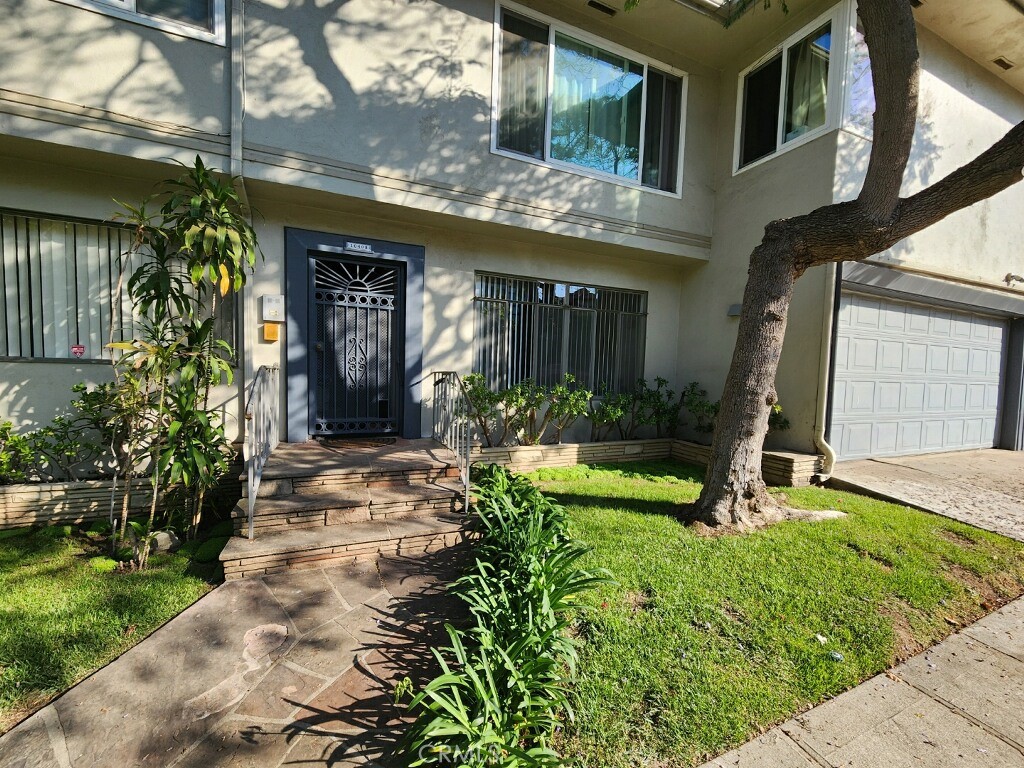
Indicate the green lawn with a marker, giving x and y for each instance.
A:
(705, 642)
(61, 618)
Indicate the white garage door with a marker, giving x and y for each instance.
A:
(911, 378)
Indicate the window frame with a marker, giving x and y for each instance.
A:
(229, 323)
(125, 10)
(838, 15)
(555, 27)
(566, 308)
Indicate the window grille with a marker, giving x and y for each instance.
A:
(542, 329)
(59, 280)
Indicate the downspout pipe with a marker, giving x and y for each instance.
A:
(237, 64)
(833, 279)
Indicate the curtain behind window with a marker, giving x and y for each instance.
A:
(807, 92)
(524, 85)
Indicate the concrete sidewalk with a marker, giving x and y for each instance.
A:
(961, 703)
(296, 669)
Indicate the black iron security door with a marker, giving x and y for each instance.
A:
(357, 341)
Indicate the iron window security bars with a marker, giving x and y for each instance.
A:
(61, 282)
(541, 329)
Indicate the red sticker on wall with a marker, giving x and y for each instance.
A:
(78, 350)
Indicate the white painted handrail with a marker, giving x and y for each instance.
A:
(451, 421)
(262, 431)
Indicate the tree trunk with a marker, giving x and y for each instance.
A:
(734, 491)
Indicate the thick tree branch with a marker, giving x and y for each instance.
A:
(996, 169)
(891, 36)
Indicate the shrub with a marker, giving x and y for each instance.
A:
(16, 458)
(527, 413)
(502, 688)
(695, 400)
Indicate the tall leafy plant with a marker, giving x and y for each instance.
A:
(185, 259)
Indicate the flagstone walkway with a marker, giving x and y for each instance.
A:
(295, 669)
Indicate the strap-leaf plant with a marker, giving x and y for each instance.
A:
(195, 250)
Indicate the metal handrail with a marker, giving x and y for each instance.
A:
(451, 421)
(262, 432)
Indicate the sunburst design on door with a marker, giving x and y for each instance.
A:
(356, 278)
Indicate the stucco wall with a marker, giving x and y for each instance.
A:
(452, 256)
(63, 66)
(793, 182)
(400, 113)
(963, 110)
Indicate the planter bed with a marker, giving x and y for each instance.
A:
(779, 467)
(81, 500)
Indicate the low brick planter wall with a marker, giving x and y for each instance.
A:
(82, 501)
(779, 467)
(524, 458)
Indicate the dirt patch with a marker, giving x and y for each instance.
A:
(907, 644)
(956, 538)
(991, 594)
(638, 600)
(884, 563)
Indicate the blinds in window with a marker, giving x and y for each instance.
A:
(540, 329)
(59, 283)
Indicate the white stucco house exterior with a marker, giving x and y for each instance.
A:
(519, 188)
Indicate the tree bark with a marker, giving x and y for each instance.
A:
(734, 491)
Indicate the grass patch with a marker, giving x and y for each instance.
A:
(64, 612)
(705, 642)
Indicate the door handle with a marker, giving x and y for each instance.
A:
(319, 347)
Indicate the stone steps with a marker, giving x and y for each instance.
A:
(319, 504)
(349, 504)
(276, 551)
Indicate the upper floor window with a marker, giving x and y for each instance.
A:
(860, 113)
(201, 19)
(565, 100)
(786, 97)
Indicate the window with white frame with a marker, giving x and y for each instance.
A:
(787, 96)
(860, 112)
(527, 328)
(566, 100)
(202, 19)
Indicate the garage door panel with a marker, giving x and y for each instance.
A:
(915, 358)
(957, 398)
(864, 355)
(913, 397)
(918, 319)
(963, 328)
(959, 361)
(934, 434)
(935, 400)
(995, 363)
(911, 378)
(940, 325)
(887, 397)
(866, 313)
(911, 436)
(992, 397)
(861, 398)
(976, 397)
(885, 436)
